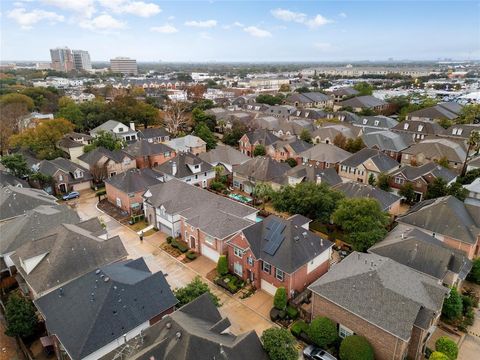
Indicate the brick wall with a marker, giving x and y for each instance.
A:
(153, 160)
(385, 345)
(113, 193)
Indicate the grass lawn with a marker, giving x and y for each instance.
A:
(138, 226)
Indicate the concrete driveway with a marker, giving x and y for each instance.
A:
(243, 317)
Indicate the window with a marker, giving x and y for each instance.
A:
(60, 177)
(343, 331)
(279, 274)
(197, 166)
(420, 127)
(405, 126)
(398, 180)
(120, 129)
(238, 252)
(250, 261)
(365, 121)
(126, 161)
(209, 240)
(266, 267)
(377, 122)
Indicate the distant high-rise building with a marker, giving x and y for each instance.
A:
(81, 59)
(62, 59)
(124, 65)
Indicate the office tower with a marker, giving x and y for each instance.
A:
(62, 59)
(124, 65)
(81, 59)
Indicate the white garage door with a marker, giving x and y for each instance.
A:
(165, 229)
(269, 288)
(210, 253)
(81, 186)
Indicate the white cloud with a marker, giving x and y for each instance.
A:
(257, 32)
(238, 24)
(235, 24)
(342, 15)
(201, 24)
(287, 15)
(171, 17)
(165, 29)
(26, 19)
(138, 8)
(103, 22)
(205, 36)
(301, 18)
(323, 46)
(85, 8)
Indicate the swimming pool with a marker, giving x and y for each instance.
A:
(241, 198)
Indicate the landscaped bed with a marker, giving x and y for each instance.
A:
(179, 250)
(230, 282)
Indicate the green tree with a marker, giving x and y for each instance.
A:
(456, 189)
(306, 136)
(383, 182)
(105, 139)
(469, 177)
(315, 201)
(322, 331)
(469, 114)
(17, 164)
(127, 109)
(473, 145)
(364, 88)
(263, 191)
(474, 274)
(269, 99)
(284, 88)
(371, 180)
(407, 191)
(444, 162)
(20, 316)
(201, 117)
(193, 290)
(280, 298)
(452, 306)
(15, 98)
(232, 136)
(363, 221)
(439, 188)
(356, 347)
(222, 265)
(436, 355)
(279, 344)
(292, 162)
(354, 145)
(302, 90)
(69, 110)
(259, 150)
(447, 346)
(45, 99)
(204, 133)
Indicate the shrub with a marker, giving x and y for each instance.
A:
(192, 255)
(280, 299)
(474, 275)
(217, 186)
(232, 287)
(101, 193)
(279, 344)
(20, 315)
(193, 290)
(322, 331)
(282, 314)
(452, 306)
(298, 327)
(447, 346)
(292, 312)
(174, 243)
(169, 239)
(182, 246)
(292, 162)
(274, 314)
(438, 356)
(356, 347)
(222, 265)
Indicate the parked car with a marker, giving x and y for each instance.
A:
(71, 195)
(312, 352)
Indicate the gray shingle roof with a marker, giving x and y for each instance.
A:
(85, 323)
(8, 179)
(386, 141)
(422, 252)
(378, 121)
(447, 216)
(440, 111)
(50, 167)
(358, 190)
(149, 133)
(145, 148)
(365, 101)
(93, 156)
(185, 143)
(133, 180)
(437, 149)
(383, 162)
(15, 201)
(311, 173)
(412, 173)
(381, 291)
(420, 127)
(299, 246)
(70, 251)
(202, 336)
(325, 153)
(263, 169)
(262, 137)
(181, 162)
(34, 224)
(224, 154)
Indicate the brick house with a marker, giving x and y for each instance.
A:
(420, 177)
(204, 220)
(67, 176)
(149, 154)
(322, 156)
(125, 190)
(449, 220)
(104, 163)
(389, 142)
(418, 130)
(393, 306)
(360, 165)
(154, 135)
(263, 254)
(309, 100)
(188, 144)
(287, 149)
(360, 103)
(250, 140)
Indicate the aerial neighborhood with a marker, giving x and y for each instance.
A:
(320, 211)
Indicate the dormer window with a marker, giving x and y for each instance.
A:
(365, 121)
(377, 122)
(420, 127)
(405, 127)
(197, 166)
(121, 129)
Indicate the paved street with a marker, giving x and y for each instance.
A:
(245, 315)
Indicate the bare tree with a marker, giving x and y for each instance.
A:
(10, 117)
(175, 116)
(99, 172)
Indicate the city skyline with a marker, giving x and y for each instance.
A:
(234, 31)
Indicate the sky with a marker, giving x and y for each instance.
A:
(253, 31)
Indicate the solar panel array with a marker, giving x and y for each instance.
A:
(274, 236)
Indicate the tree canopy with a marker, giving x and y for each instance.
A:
(20, 316)
(204, 133)
(447, 346)
(364, 88)
(439, 188)
(259, 150)
(279, 344)
(106, 140)
(363, 221)
(17, 164)
(322, 331)
(452, 306)
(269, 99)
(193, 290)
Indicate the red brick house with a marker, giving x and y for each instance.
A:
(148, 154)
(393, 306)
(279, 253)
(287, 149)
(250, 140)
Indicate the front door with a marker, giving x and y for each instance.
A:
(192, 242)
(62, 187)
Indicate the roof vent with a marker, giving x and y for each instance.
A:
(296, 238)
(106, 279)
(97, 271)
(304, 234)
(60, 292)
(169, 325)
(178, 335)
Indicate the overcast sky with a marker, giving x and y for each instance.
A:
(151, 30)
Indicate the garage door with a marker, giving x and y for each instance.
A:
(165, 229)
(269, 288)
(210, 253)
(81, 186)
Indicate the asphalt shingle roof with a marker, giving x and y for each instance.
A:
(91, 311)
(263, 169)
(354, 189)
(325, 153)
(383, 162)
(224, 154)
(311, 173)
(93, 156)
(15, 201)
(365, 101)
(145, 148)
(133, 180)
(181, 163)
